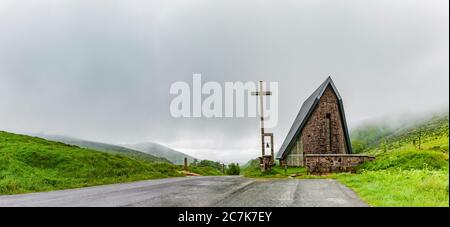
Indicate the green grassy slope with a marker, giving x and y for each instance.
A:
(400, 188)
(404, 173)
(401, 149)
(104, 147)
(30, 164)
(433, 133)
(207, 168)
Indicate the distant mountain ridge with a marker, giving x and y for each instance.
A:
(110, 148)
(159, 150)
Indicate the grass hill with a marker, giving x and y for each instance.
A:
(429, 133)
(158, 150)
(104, 147)
(208, 167)
(411, 165)
(421, 145)
(30, 164)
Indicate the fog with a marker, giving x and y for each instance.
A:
(102, 70)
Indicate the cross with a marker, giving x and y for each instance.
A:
(261, 93)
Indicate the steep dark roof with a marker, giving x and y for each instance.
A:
(305, 111)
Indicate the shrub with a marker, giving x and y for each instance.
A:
(233, 169)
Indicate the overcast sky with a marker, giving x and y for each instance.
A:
(101, 70)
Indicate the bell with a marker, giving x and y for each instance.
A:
(267, 145)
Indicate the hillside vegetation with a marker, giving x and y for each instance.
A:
(30, 164)
(425, 134)
(206, 168)
(212, 168)
(411, 165)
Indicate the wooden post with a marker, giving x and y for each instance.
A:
(420, 134)
(185, 163)
(223, 168)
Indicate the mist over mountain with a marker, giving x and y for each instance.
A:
(397, 130)
(159, 150)
(103, 70)
(110, 148)
(401, 119)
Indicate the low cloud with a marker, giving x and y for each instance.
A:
(102, 70)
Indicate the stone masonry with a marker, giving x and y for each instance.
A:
(316, 135)
(322, 134)
(319, 164)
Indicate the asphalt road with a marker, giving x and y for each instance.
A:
(197, 191)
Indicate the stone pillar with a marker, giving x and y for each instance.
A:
(266, 163)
